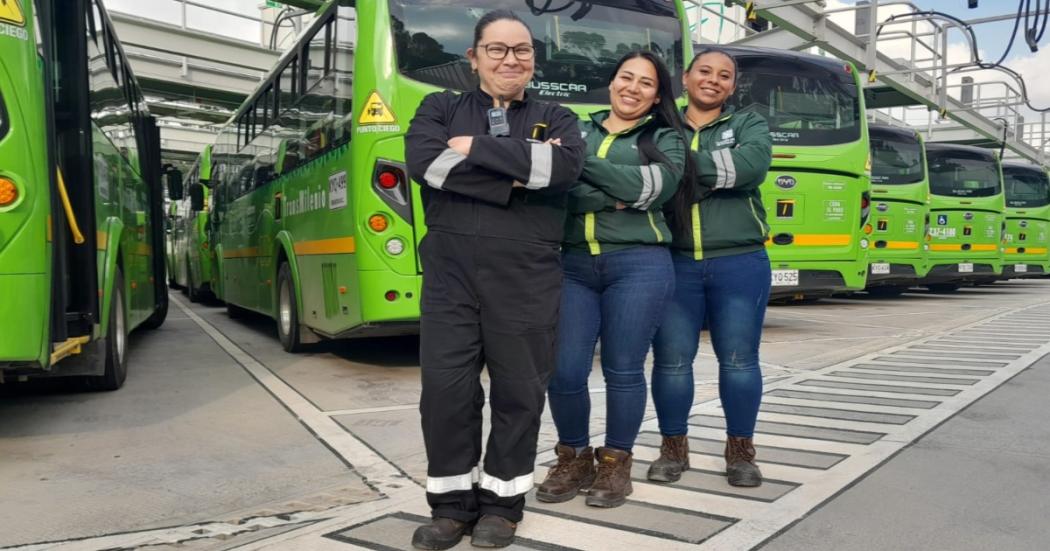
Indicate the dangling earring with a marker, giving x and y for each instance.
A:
(474, 70)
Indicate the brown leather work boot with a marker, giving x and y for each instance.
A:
(673, 461)
(441, 533)
(612, 484)
(740, 462)
(493, 531)
(565, 479)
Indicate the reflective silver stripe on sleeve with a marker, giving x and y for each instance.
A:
(456, 483)
(658, 186)
(726, 169)
(438, 170)
(506, 488)
(542, 164)
(647, 187)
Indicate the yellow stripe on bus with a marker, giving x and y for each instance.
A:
(910, 245)
(985, 247)
(1028, 250)
(819, 239)
(249, 252)
(338, 245)
(958, 247)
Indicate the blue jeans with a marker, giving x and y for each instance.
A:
(619, 296)
(732, 292)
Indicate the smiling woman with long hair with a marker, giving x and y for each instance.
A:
(722, 273)
(618, 277)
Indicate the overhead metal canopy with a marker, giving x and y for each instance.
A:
(898, 83)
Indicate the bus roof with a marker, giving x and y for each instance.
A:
(942, 146)
(830, 63)
(886, 129)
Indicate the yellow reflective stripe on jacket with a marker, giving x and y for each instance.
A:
(656, 230)
(698, 247)
(589, 234)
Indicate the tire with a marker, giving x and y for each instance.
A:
(287, 311)
(116, 343)
(943, 288)
(160, 313)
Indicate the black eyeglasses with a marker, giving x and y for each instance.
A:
(498, 52)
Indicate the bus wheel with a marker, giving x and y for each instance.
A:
(943, 288)
(287, 311)
(115, 358)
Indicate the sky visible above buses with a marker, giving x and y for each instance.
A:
(992, 38)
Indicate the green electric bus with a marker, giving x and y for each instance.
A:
(317, 222)
(1027, 221)
(817, 192)
(900, 210)
(81, 206)
(191, 255)
(967, 227)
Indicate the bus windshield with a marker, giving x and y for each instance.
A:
(804, 103)
(962, 174)
(1026, 187)
(577, 43)
(895, 159)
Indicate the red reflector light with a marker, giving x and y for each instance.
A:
(865, 202)
(848, 68)
(391, 296)
(388, 180)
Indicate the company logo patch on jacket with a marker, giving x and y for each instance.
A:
(727, 138)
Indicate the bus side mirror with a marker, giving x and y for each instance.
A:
(196, 197)
(174, 178)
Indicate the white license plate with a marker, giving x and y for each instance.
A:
(1020, 268)
(965, 267)
(880, 268)
(785, 278)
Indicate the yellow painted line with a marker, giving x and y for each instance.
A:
(101, 240)
(339, 245)
(249, 252)
(818, 239)
(910, 245)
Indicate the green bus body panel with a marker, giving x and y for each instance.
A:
(1033, 224)
(122, 214)
(826, 222)
(899, 214)
(340, 267)
(25, 253)
(985, 225)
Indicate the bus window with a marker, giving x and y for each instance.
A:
(1026, 187)
(896, 159)
(804, 104)
(576, 49)
(956, 173)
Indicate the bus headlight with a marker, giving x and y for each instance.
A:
(864, 243)
(395, 246)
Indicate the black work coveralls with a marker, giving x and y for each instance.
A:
(491, 289)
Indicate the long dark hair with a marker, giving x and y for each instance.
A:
(665, 113)
(683, 199)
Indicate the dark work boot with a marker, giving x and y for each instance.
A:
(612, 484)
(673, 461)
(441, 533)
(740, 462)
(493, 531)
(571, 474)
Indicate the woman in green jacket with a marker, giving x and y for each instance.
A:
(722, 273)
(618, 277)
